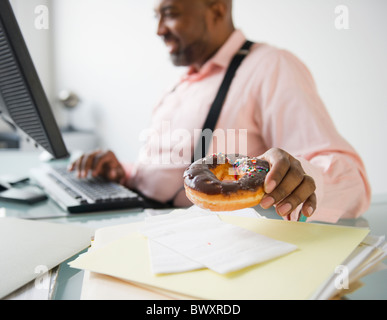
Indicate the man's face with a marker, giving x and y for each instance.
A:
(183, 26)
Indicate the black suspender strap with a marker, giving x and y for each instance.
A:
(213, 115)
(212, 118)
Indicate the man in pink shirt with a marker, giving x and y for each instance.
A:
(272, 110)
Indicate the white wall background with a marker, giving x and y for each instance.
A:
(107, 51)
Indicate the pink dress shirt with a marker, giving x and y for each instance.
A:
(272, 102)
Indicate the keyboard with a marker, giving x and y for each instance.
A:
(90, 194)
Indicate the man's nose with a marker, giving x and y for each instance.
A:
(161, 28)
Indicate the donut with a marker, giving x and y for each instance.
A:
(222, 182)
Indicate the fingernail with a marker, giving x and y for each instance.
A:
(269, 188)
(267, 202)
(310, 211)
(284, 209)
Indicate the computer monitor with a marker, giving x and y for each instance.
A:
(23, 102)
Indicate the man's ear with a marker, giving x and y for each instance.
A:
(219, 10)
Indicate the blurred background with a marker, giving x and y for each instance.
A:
(106, 52)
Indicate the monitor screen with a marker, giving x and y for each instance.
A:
(23, 101)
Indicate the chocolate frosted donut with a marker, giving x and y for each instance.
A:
(226, 182)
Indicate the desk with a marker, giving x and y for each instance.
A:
(69, 283)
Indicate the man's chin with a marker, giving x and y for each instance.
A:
(179, 60)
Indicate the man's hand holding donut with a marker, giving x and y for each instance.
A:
(287, 185)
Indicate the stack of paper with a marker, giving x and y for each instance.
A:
(120, 264)
(365, 259)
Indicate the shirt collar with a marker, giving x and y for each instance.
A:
(221, 59)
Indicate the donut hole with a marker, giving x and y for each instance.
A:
(225, 172)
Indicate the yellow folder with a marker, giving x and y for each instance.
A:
(321, 249)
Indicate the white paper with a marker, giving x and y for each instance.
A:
(30, 246)
(163, 259)
(212, 243)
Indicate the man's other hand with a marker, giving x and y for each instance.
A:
(99, 163)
